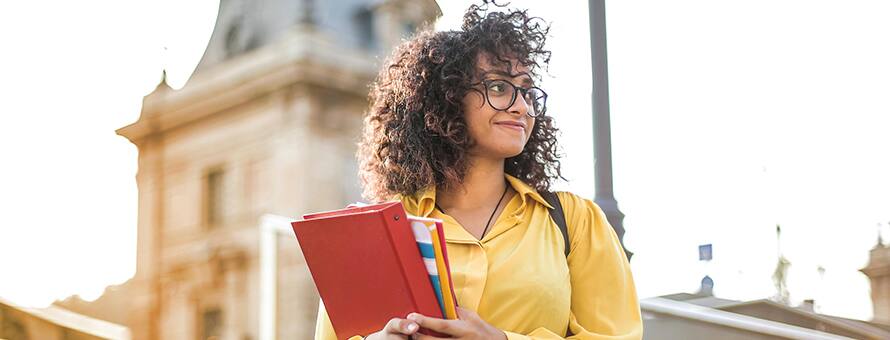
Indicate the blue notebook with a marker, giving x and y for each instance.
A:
(427, 252)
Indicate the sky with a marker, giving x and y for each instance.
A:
(728, 118)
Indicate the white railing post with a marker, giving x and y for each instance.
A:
(270, 227)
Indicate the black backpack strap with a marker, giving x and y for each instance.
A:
(558, 217)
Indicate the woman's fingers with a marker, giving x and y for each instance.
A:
(466, 314)
(450, 327)
(401, 326)
(469, 326)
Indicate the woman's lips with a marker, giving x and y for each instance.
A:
(511, 126)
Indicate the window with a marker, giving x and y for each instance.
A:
(364, 24)
(233, 44)
(408, 29)
(214, 197)
(211, 324)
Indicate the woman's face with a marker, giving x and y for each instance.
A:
(498, 133)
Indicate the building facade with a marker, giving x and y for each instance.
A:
(267, 124)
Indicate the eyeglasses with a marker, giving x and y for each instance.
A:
(501, 95)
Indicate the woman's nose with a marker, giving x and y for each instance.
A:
(519, 105)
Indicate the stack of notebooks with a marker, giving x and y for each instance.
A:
(373, 263)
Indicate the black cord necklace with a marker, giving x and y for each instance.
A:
(487, 224)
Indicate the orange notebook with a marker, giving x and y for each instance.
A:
(366, 266)
(442, 262)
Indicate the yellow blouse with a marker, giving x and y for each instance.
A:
(518, 279)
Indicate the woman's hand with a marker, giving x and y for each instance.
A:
(395, 329)
(469, 326)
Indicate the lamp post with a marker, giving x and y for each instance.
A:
(602, 136)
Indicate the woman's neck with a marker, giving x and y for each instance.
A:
(483, 185)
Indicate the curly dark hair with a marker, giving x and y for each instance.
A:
(415, 134)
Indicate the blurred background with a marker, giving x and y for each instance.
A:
(153, 152)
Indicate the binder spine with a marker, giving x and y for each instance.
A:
(402, 238)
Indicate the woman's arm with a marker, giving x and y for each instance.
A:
(604, 298)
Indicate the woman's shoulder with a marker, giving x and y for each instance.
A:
(582, 215)
(573, 201)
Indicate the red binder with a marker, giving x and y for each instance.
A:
(366, 266)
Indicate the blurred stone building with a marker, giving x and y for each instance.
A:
(267, 124)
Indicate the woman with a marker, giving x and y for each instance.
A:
(457, 131)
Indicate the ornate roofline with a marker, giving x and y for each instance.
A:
(302, 56)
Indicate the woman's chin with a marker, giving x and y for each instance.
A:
(513, 152)
(498, 152)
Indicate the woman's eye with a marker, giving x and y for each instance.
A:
(497, 87)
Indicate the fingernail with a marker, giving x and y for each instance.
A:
(412, 327)
(413, 317)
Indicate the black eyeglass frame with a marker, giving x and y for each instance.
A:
(516, 89)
